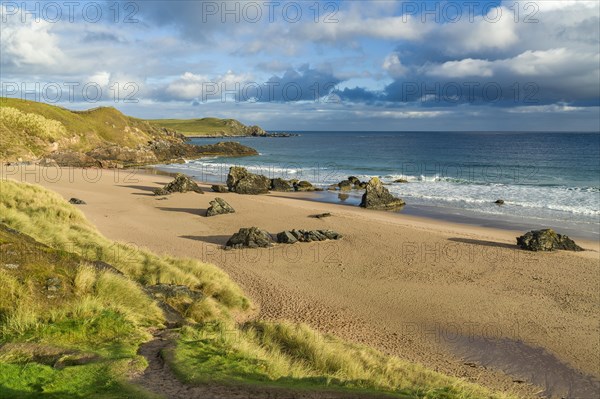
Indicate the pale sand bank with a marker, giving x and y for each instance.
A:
(410, 286)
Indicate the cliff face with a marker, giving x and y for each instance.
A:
(99, 137)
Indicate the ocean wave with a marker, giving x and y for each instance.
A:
(549, 200)
(518, 198)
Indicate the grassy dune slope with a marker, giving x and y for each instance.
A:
(81, 339)
(28, 129)
(76, 337)
(206, 127)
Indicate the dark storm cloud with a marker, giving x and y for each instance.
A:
(304, 84)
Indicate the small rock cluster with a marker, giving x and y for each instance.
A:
(77, 201)
(351, 183)
(240, 181)
(546, 240)
(253, 237)
(181, 184)
(219, 207)
(293, 236)
(303, 185)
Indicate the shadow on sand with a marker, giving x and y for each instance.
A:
(192, 211)
(219, 240)
(147, 190)
(483, 243)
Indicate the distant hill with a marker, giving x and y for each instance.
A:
(103, 136)
(212, 127)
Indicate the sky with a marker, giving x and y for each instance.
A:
(308, 65)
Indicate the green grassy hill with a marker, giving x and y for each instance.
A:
(76, 307)
(30, 129)
(209, 127)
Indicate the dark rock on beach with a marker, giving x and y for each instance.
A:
(293, 236)
(304, 186)
(252, 237)
(241, 181)
(499, 202)
(219, 188)
(219, 207)
(376, 196)
(546, 240)
(400, 181)
(181, 184)
(77, 201)
(322, 215)
(280, 184)
(286, 237)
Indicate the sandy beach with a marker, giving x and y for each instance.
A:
(424, 290)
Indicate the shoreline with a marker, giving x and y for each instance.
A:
(403, 284)
(432, 213)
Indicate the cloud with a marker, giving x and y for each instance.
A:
(190, 86)
(29, 43)
(552, 5)
(461, 69)
(353, 26)
(393, 66)
(370, 60)
(100, 78)
(304, 84)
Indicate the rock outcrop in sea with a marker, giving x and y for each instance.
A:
(351, 183)
(240, 181)
(181, 184)
(219, 207)
(546, 240)
(376, 196)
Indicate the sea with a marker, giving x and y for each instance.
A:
(545, 179)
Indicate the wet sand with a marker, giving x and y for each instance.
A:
(406, 285)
